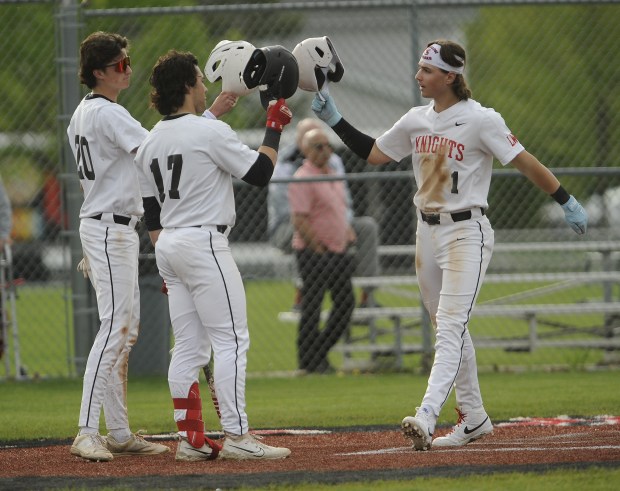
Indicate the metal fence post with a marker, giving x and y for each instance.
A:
(84, 306)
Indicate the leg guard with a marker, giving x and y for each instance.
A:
(193, 423)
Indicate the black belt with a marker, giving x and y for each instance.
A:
(435, 218)
(220, 228)
(123, 220)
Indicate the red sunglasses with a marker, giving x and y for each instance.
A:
(121, 66)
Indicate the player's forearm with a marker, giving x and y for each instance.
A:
(154, 235)
(536, 172)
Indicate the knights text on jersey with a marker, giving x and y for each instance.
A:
(188, 162)
(452, 153)
(102, 135)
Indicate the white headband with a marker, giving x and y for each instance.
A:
(432, 57)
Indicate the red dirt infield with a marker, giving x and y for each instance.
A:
(328, 456)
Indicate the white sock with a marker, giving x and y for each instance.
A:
(85, 430)
(121, 436)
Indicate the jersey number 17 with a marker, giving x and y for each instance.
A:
(175, 163)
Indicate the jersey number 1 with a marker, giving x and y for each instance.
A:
(175, 162)
(455, 182)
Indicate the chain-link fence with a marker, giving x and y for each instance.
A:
(548, 67)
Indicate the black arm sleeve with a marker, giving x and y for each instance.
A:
(353, 138)
(152, 211)
(272, 138)
(261, 171)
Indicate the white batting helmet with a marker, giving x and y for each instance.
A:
(318, 62)
(227, 62)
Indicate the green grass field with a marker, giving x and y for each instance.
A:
(49, 410)
(513, 384)
(46, 328)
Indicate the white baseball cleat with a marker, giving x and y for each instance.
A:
(470, 426)
(136, 445)
(419, 429)
(91, 447)
(187, 452)
(247, 447)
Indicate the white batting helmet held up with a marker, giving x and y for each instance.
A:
(318, 63)
(227, 62)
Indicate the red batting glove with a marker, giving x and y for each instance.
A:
(278, 115)
(164, 288)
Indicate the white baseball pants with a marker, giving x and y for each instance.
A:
(451, 262)
(112, 252)
(207, 308)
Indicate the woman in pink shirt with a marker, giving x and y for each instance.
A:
(321, 238)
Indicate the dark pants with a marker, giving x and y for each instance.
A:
(319, 273)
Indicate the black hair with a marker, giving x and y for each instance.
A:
(172, 74)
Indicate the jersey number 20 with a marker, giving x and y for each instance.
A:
(86, 170)
(175, 163)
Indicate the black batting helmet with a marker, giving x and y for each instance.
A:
(274, 67)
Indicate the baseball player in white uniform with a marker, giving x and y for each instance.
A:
(104, 138)
(452, 142)
(189, 211)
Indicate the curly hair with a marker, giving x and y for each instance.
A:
(172, 74)
(454, 55)
(96, 51)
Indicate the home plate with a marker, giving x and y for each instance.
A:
(377, 452)
(220, 434)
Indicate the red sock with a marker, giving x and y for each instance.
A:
(192, 424)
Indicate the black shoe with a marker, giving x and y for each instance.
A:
(369, 304)
(323, 368)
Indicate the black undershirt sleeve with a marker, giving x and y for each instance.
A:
(261, 171)
(353, 138)
(152, 211)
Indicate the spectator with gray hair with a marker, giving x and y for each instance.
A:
(280, 228)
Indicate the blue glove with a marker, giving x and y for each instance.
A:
(575, 215)
(325, 108)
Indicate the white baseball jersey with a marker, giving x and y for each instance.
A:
(103, 134)
(188, 162)
(452, 153)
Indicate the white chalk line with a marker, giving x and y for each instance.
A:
(469, 449)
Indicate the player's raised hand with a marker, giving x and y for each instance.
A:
(223, 103)
(575, 215)
(325, 108)
(278, 115)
